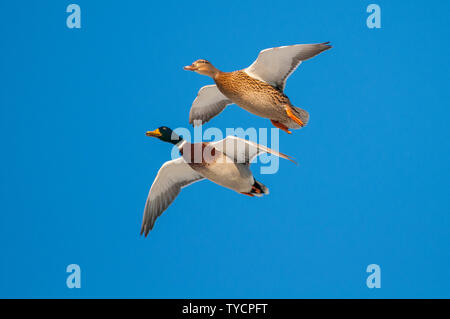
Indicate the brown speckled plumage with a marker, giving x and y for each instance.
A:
(257, 89)
(255, 96)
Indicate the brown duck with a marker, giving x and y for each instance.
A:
(257, 89)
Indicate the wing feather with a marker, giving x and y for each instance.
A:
(275, 65)
(208, 103)
(244, 151)
(171, 178)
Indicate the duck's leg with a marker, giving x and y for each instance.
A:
(256, 190)
(248, 194)
(292, 116)
(281, 126)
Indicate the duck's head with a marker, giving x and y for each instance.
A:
(202, 67)
(165, 134)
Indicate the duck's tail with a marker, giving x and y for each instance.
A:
(259, 189)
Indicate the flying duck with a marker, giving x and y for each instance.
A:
(225, 162)
(257, 89)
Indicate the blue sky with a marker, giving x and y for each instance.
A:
(372, 184)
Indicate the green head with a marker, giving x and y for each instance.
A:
(165, 134)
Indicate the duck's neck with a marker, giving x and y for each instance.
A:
(176, 140)
(216, 75)
(214, 72)
(180, 143)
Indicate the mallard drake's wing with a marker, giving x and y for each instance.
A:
(171, 178)
(275, 65)
(208, 103)
(244, 151)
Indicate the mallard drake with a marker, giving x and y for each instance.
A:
(257, 89)
(225, 162)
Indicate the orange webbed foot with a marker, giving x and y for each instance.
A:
(281, 126)
(248, 194)
(293, 117)
(256, 190)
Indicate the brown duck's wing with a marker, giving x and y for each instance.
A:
(275, 65)
(244, 151)
(171, 178)
(208, 103)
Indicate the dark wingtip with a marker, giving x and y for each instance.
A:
(148, 229)
(329, 46)
(144, 230)
(289, 158)
(292, 160)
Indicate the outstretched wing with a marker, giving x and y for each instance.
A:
(171, 178)
(208, 103)
(275, 65)
(244, 151)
